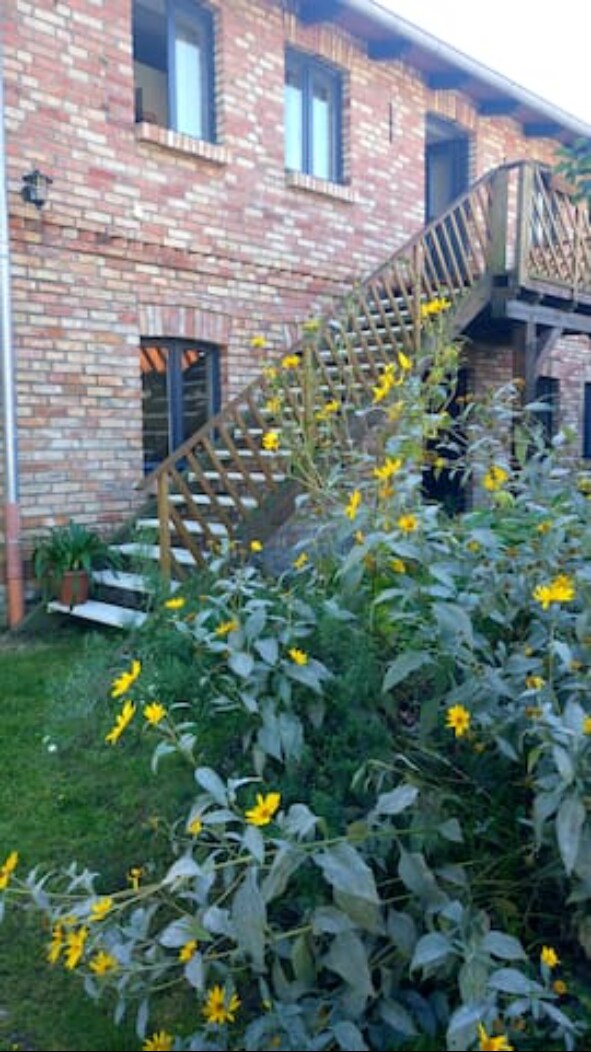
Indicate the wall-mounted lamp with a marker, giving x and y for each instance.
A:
(35, 188)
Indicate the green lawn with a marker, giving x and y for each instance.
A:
(65, 795)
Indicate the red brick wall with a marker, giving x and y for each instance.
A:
(148, 230)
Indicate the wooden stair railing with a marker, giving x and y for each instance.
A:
(508, 222)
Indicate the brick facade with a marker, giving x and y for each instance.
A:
(151, 233)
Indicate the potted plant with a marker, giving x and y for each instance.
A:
(63, 559)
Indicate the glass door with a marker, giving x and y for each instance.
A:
(180, 392)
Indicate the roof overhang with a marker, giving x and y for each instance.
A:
(388, 37)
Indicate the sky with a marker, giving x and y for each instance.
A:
(543, 47)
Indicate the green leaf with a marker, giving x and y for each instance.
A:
(564, 764)
(397, 1018)
(345, 870)
(403, 932)
(364, 914)
(418, 878)
(212, 783)
(432, 948)
(255, 623)
(327, 920)
(402, 666)
(397, 800)
(349, 1037)
(507, 947)
(287, 860)
(268, 650)
(242, 663)
(299, 821)
(254, 842)
(453, 621)
(462, 1025)
(249, 918)
(569, 824)
(182, 869)
(194, 972)
(347, 957)
(510, 981)
(452, 830)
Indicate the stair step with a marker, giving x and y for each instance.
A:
(237, 476)
(101, 613)
(218, 529)
(222, 499)
(127, 582)
(151, 552)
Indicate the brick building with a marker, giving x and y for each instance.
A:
(219, 168)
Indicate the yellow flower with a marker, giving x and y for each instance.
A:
(188, 951)
(103, 962)
(544, 527)
(226, 627)
(100, 908)
(123, 720)
(258, 342)
(398, 565)
(388, 469)
(559, 590)
(270, 372)
(299, 657)
(394, 411)
(473, 546)
(134, 876)
(533, 711)
(408, 523)
(587, 725)
(290, 361)
(353, 505)
(262, 813)
(404, 361)
(273, 405)
(176, 603)
(256, 546)
(359, 537)
(559, 986)
(435, 306)
(217, 1010)
(74, 947)
(549, 957)
(123, 682)
(535, 682)
(195, 826)
(271, 441)
(458, 720)
(159, 1042)
(300, 562)
(495, 478)
(57, 943)
(154, 713)
(7, 869)
(311, 325)
(487, 1043)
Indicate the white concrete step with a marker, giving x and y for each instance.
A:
(127, 582)
(218, 529)
(220, 498)
(151, 552)
(237, 476)
(101, 613)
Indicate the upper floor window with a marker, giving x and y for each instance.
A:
(174, 66)
(313, 117)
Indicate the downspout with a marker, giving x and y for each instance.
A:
(12, 529)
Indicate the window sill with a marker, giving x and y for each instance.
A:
(180, 143)
(313, 185)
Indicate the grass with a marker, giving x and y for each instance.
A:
(66, 795)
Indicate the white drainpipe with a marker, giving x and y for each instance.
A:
(12, 529)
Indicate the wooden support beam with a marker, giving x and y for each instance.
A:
(551, 317)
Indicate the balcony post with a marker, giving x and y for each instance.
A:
(499, 218)
(525, 192)
(164, 525)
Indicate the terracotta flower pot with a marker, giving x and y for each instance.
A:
(74, 587)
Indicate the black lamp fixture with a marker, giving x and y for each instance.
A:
(35, 188)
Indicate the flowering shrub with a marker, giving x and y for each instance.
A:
(389, 843)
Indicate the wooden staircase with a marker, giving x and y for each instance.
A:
(515, 248)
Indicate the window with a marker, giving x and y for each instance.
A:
(173, 66)
(180, 392)
(313, 117)
(548, 392)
